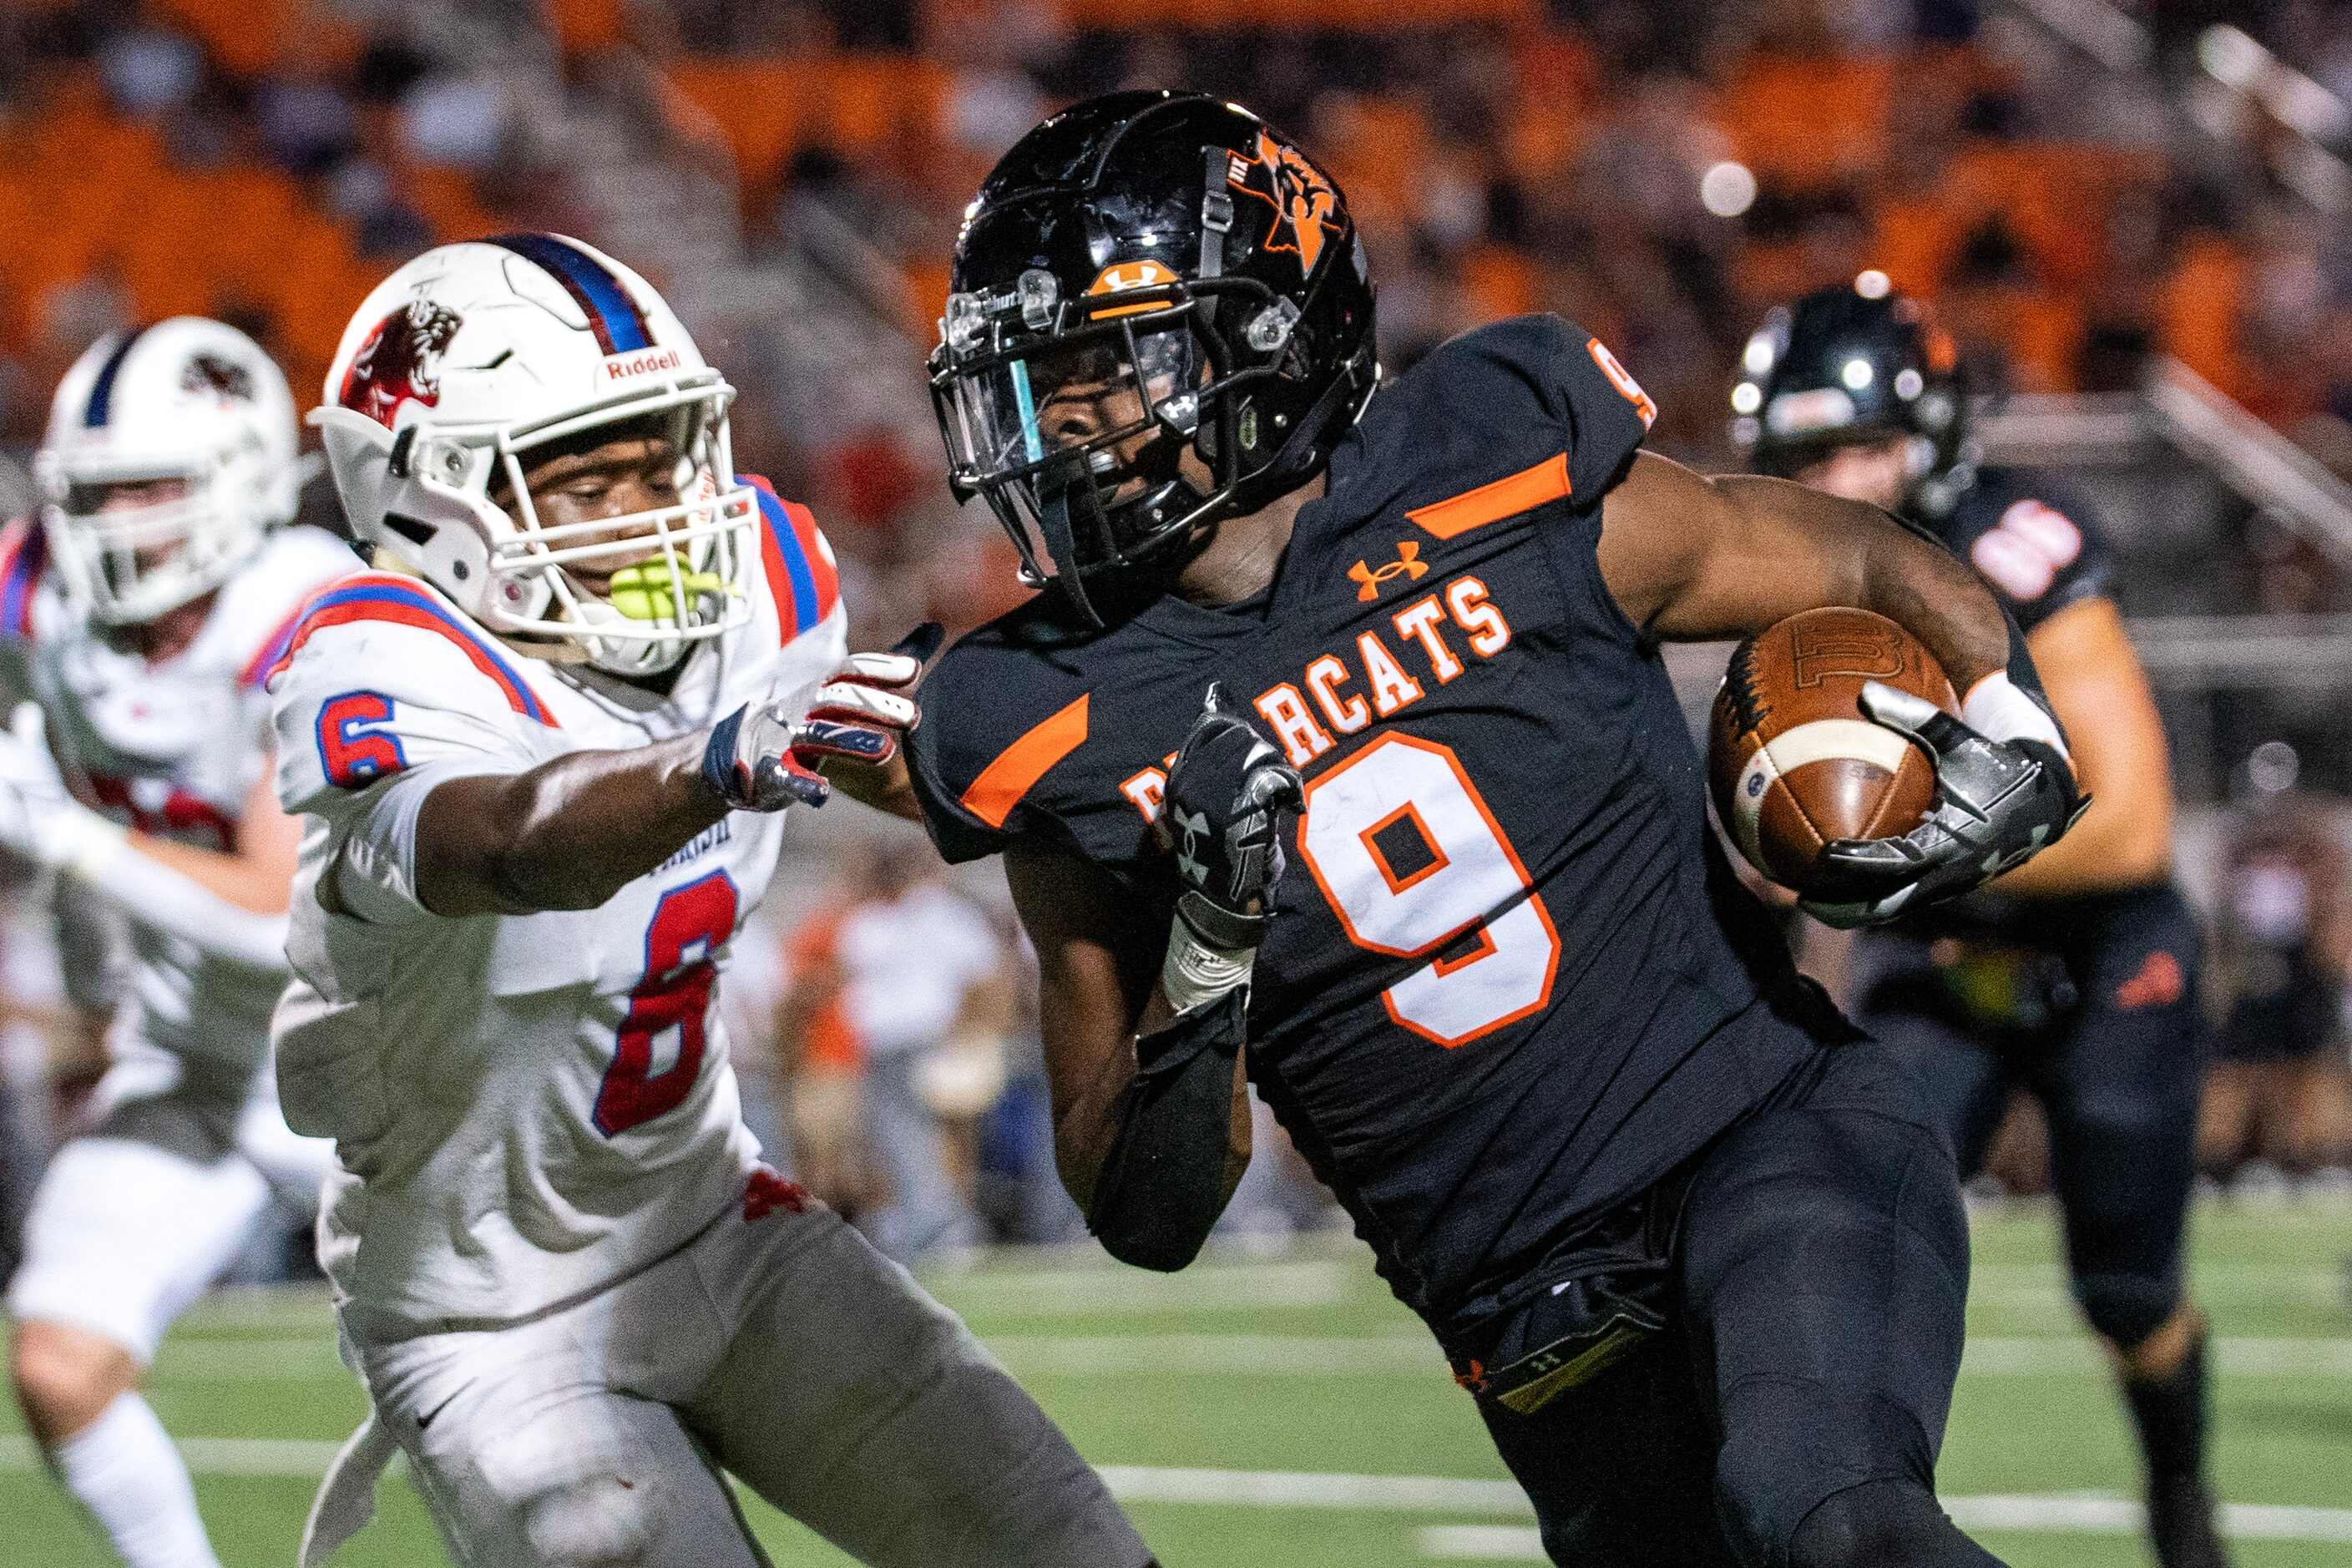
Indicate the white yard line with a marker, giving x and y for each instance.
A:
(1996, 1355)
(295, 1359)
(299, 1458)
(1290, 1489)
(292, 1457)
(1256, 1356)
(2017, 1515)
(1216, 1287)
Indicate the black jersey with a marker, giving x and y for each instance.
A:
(2039, 548)
(1511, 981)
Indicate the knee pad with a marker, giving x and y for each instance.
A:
(599, 1521)
(2126, 1308)
(1790, 1444)
(1884, 1524)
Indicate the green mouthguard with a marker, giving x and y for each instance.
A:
(647, 592)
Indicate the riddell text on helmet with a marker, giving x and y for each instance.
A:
(620, 367)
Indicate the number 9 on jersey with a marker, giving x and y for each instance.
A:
(1411, 860)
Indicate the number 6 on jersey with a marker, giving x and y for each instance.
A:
(1410, 858)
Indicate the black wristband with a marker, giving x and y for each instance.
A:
(719, 758)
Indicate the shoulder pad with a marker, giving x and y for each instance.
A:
(400, 613)
(996, 720)
(1502, 401)
(795, 561)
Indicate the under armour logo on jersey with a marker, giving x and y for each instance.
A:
(1408, 564)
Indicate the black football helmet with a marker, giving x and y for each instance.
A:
(1860, 363)
(1145, 274)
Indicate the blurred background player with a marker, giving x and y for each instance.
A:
(155, 590)
(2277, 1103)
(2074, 977)
(900, 999)
(549, 770)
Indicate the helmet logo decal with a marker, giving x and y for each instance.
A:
(1306, 206)
(223, 378)
(400, 362)
(1124, 274)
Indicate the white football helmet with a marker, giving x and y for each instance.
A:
(185, 399)
(473, 356)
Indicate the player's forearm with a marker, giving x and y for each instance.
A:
(566, 835)
(1693, 559)
(1923, 589)
(2101, 695)
(206, 899)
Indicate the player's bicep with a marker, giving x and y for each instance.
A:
(1692, 558)
(463, 826)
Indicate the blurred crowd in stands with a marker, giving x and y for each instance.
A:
(1660, 171)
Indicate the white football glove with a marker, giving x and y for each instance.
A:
(40, 818)
(765, 757)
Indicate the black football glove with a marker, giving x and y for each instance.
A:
(1222, 816)
(1998, 802)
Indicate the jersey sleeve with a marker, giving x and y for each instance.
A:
(2042, 553)
(995, 726)
(383, 693)
(1546, 372)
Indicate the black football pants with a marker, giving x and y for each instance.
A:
(2117, 1071)
(1789, 1414)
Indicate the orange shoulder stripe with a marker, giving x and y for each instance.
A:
(1523, 492)
(999, 786)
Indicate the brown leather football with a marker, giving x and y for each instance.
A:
(1791, 760)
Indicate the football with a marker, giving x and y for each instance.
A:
(1792, 761)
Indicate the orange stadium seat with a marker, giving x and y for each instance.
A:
(754, 107)
(1810, 123)
(583, 27)
(2197, 315)
(765, 108)
(1368, 15)
(1556, 80)
(445, 199)
(1377, 149)
(247, 36)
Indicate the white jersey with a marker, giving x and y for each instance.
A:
(525, 1107)
(172, 750)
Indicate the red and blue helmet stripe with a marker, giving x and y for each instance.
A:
(101, 406)
(613, 313)
(402, 601)
(20, 576)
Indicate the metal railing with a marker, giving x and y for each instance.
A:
(2179, 410)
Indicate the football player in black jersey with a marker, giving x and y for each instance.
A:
(1337, 751)
(2074, 977)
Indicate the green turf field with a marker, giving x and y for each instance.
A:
(1264, 1412)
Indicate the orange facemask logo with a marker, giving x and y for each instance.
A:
(1305, 206)
(1124, 274)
